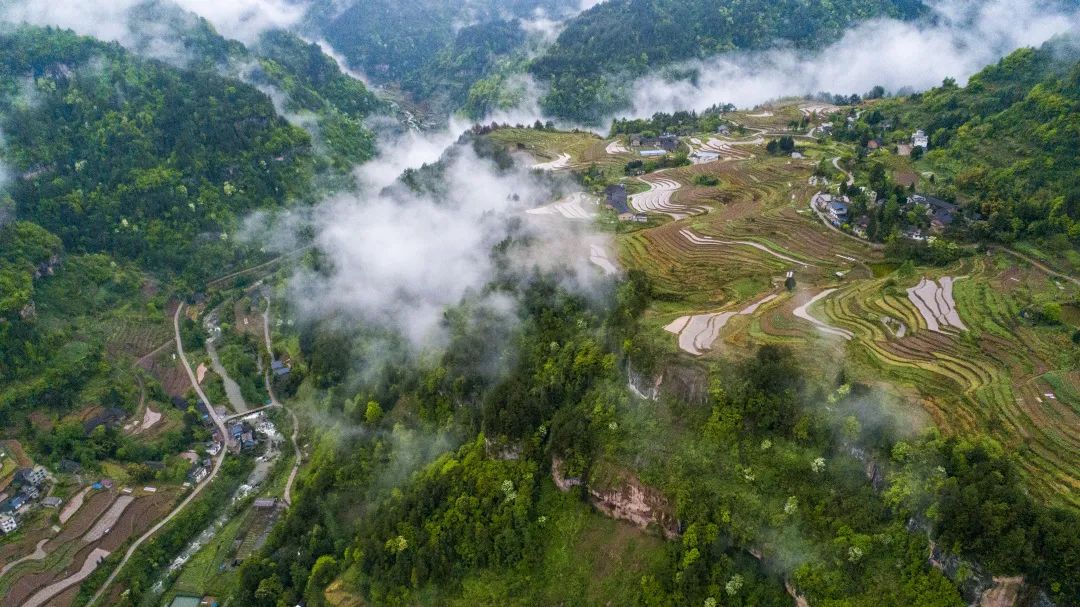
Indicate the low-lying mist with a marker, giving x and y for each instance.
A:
(110, 20)
(397, 258)
(958, 39)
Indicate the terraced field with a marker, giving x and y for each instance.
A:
(101, 525)
(570, 150)
(993, 373)
(953, 340)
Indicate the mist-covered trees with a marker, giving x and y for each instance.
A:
(589, 65)
(135, 158)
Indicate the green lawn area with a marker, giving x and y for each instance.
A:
(202, 574)
(7, 467)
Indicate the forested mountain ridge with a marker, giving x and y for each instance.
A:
(135, 158)
(618, 40)
(434, 51)
(127, 173)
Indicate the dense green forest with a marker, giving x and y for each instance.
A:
(128, 174)
(590, 64)
(760, 468)
(1005, 144)
(435, 51)
(137, 159)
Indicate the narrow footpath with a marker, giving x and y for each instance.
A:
(287, 495)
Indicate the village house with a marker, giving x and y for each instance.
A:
(68, 466)
(666, 142)
(32, 476)
(198, 474)
(265, 503)
(942, 214)
(616, 198)
(838, 210)
(13, 504)
(861, 227)
(7, 523)
(914, 234)
(279, 368)
(52, 502)
(920, 140)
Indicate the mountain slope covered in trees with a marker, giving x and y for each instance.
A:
(437, 50)
(1006, 143)
(615, 41)
(126, 174)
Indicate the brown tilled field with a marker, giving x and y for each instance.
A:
(139, 516)
(168, 372)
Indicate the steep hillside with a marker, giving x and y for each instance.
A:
(621, 39)
(435, 50)
(1006, 143)
(129, 180)
(134, 158)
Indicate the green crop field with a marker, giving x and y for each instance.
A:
(1003, 375)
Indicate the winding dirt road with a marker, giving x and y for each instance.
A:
(287, 494)
(198, 488)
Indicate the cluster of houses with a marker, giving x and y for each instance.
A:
(242, 435)
(836, 210)
(618, 200)
(200, 468)
(657, 146)
(29, 484)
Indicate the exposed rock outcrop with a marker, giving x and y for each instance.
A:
(626, 499)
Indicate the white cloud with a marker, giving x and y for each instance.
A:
(401, 259)
(242, 20)
(964, 37)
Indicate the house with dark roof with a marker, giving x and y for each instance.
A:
(12, 504)
(31, 476)
(265, 503)
(279, 368)
(616, 198)
(68, 466)
(666, 142)
(838, 210)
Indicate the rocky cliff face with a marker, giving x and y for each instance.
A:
(637, 504)
(625, 499)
